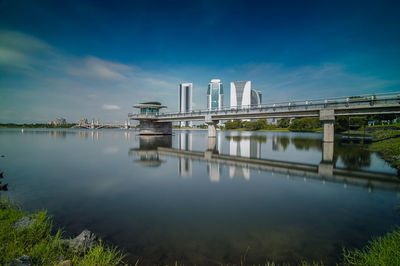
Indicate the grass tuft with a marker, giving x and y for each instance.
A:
(40, 245)
(383, 250)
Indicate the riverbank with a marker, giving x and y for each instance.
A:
(28, 238)
(387, 144)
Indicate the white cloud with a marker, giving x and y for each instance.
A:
(95, 68)
(110, 107)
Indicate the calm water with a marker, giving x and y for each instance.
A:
(173, 205)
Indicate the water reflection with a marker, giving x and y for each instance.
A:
(146, 154)
(185, 144)
(245, 155)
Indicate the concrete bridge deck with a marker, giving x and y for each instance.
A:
(325, 109)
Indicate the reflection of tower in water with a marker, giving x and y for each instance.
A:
(244, 146)
(185, 143)
(280, 143)
(214, 171)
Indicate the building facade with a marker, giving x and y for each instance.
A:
(243, 96)
(185, 101)
(215, 95)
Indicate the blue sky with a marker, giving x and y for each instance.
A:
(97, 58)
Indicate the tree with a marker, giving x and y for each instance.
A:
(306, 124)
(283, 122)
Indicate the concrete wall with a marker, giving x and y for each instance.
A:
(148, 127)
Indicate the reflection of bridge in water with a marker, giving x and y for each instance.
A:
(245, 155)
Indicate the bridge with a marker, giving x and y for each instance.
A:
(326, 109)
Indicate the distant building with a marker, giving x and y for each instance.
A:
(83, 122)
(58, 122)
(243, 96)
(215, 95)
(185, 101)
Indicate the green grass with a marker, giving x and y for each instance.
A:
(38, 242)
(387, 144)
(380, 251)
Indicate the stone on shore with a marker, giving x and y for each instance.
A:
(65, 263)
(21, 261)
(24, 222)
(83, 241)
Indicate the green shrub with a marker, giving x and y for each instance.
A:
(306, 124)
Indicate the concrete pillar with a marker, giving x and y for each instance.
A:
(327, 116)
(212, 143)
(212, 131)
(329, 130)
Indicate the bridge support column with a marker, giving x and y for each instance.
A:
(327, 116)
(212, 130)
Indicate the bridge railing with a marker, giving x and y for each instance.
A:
(343, 101)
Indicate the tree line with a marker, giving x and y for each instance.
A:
(307, 124)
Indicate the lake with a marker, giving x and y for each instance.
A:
(244, 196)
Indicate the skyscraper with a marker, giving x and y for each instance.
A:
(215, 95)
(185, 101)
(242, 96)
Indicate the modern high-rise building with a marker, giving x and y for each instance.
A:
(215, 95)
(185, 101)
(243, 96)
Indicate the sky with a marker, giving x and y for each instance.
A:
(95, 59)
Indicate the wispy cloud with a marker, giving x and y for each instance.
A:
(110, 107)
(95, 68)
(39, 77)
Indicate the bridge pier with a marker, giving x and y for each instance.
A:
(150, 127)
(212, 130)
(327, 116)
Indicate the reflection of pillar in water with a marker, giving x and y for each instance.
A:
(214, 171)
(185, 166)
(325, 168)
(185, 141)
(327, 152)
(127, 135)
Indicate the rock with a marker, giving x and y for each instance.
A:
(65, 263)
(24, 222)
(1, 174)
(83, 241)
(4, 187)
(21, 261)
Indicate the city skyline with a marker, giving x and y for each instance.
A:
(97, 59)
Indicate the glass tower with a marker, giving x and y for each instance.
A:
(215, 95)
(185, 101)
